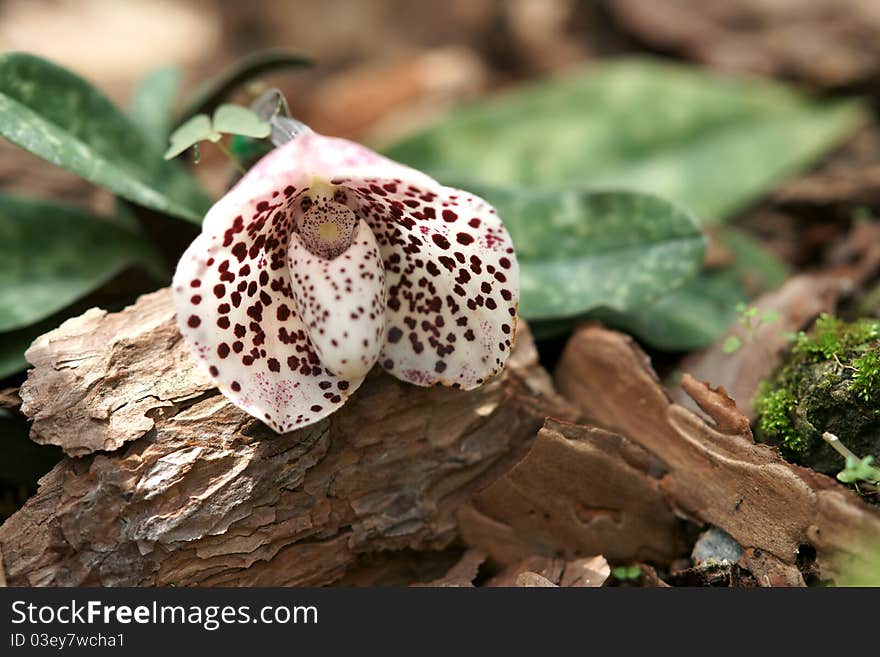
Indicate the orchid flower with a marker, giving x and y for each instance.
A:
(327, 258)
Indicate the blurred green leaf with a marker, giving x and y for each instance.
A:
(758, 268)
(713, 144)
(580, 249)
(53, 254)
(238, 120)
(691, 317)
(196, 129)
(212, 92)
(700, 312)
(60, 117)
(152, 104)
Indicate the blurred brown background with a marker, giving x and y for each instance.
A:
(385, 67)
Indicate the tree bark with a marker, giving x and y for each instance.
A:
(167, 483)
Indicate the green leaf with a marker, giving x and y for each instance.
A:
(758, 268)
(152, 105)
(580, 249)
(53, 254)
(711, 143)
(197, 129)
(238, 120)
(60, 117)
(691, 317)
(212, 92)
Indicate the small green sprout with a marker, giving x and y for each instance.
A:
(751, 319)
(228, 119)
(626, 573)
(857, 469)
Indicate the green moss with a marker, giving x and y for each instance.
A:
(866, 378)
(774, 407)
(831, 382)
(832, 337)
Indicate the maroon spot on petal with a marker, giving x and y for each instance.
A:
(195, 283)
(394, 335)
(315, 408)
(236, 387)
(440, 241)
(196, 299)
(219, 290)
(223, 350)
(474, 223)
(464, 238)
(239, 251)
(223, 322)
(273, 365)
(449, 215)
(213, 370)
(439, 366)
(342, 385)
(504, 262)
(193, 321)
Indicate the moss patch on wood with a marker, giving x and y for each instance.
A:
(831, 382)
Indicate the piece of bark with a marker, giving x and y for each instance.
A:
(529, 579)
(463, 573)
(798, 302)
(714, 473)
(99, 380)
(200, 493)
(579, 491)
(768, 570)
(587, 572)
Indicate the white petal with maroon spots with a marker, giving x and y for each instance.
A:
(342, 302)
(453, 283)
(235, 309)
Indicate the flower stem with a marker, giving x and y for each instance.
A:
(232, 158)
(838, 446)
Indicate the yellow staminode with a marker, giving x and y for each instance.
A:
(328, 231)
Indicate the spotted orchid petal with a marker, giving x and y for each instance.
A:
(327, 258)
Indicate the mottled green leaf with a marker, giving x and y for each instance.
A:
(152, 105)
(238, 120)
(582, 249)
(212, 92)
(60, 117)
(701, 311)
(691, 317)
(53, 254)
(713, 144)
(196, 129)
